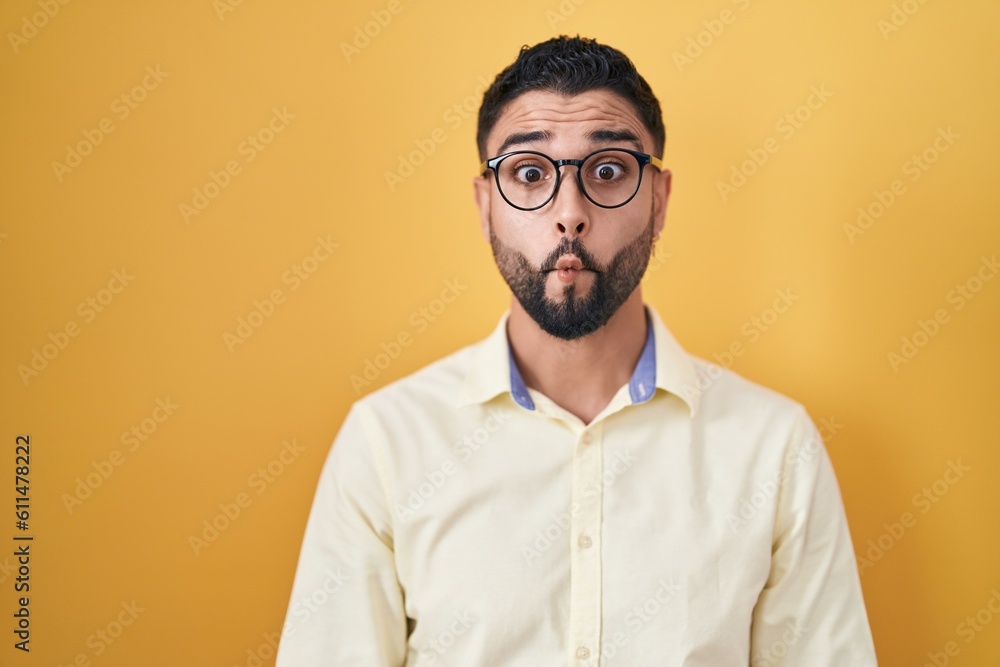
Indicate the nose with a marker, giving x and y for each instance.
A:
(570, 208)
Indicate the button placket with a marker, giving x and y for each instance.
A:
(585, 554)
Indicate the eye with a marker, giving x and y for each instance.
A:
(531, 174)
(608, 171)
(528, 173)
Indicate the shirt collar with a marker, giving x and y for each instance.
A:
(663, 364)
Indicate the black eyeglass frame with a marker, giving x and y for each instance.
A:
(642, 158)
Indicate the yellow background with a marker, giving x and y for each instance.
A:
(357, 114)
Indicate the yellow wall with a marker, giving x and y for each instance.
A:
(137, 300)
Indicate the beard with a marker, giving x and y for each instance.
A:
(574, 317)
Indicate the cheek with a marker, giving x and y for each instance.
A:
(524, 236)
(643, 202)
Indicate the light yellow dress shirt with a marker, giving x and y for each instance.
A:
(464, 519)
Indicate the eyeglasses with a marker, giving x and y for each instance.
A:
(609, 177)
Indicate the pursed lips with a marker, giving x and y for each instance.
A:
(568, 263)
(568, 267)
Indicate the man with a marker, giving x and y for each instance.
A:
(575, 489)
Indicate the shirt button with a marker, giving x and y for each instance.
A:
(587, 438)
(586, 542)
(583, 653)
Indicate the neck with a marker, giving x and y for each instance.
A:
(582, 375)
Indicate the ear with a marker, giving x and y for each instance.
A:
(482, 191)
(661, 193)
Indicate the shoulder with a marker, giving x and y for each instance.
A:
(767, 433)
(730, 397)
(435, 384)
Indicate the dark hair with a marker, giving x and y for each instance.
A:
(570, 66)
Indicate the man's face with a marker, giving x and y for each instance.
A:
(571, 264)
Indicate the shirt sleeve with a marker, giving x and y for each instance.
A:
(346, 606)
(811, 610)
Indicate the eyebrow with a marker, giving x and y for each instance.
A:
(597, 136)
(519, 138)
(616, 137)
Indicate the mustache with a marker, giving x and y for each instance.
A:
(571, 247)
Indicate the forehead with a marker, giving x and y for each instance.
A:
(568, 119)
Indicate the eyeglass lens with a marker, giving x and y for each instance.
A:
(609, 177)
